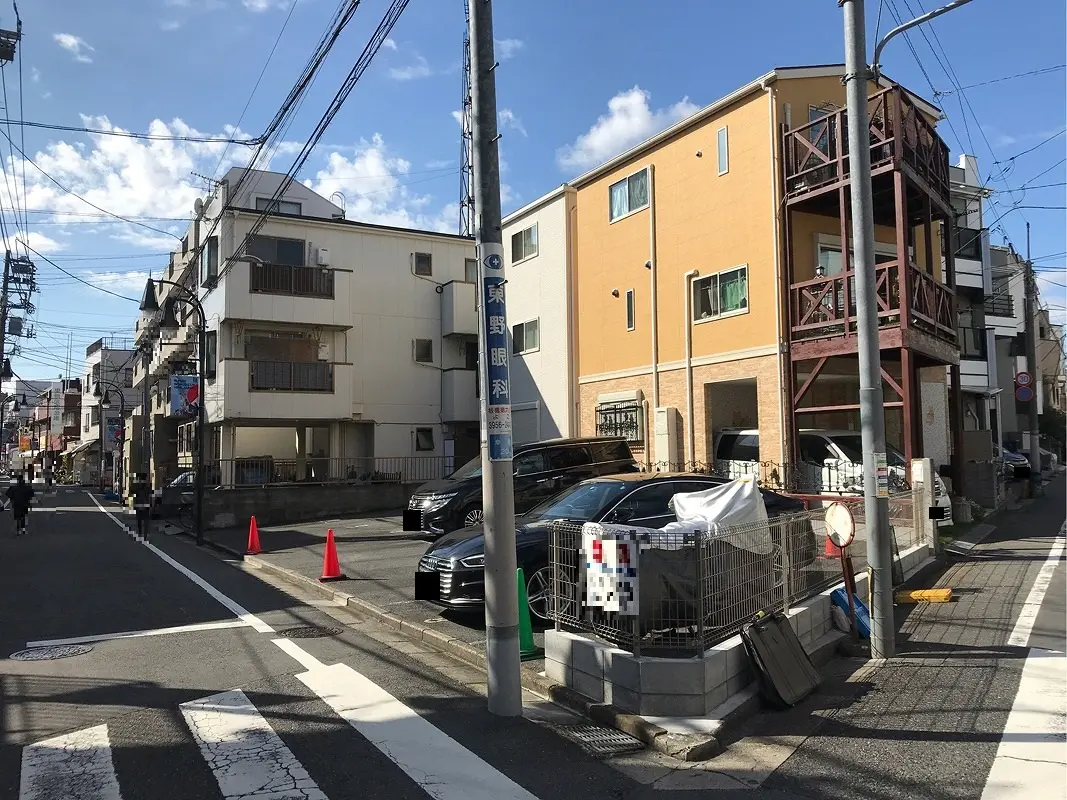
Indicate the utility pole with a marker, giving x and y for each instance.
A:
(872, 411)
(498, 497)
(1030, 332)
(4, 289)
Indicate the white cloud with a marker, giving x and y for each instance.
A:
(40, 242)
(373, 184)
(76, 46)
(442, 163)
(420, 69)
(509, 120)
(169, 25)
(258, 6)
(133, 280)
(507, 48)
(35, 75)
(389, 44)
(629, 120)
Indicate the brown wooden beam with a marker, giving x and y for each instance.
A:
(895, 386)
(910, 409)
(811, 379)
(830, 409)
(900, 217)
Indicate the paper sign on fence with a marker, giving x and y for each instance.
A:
(610, 574)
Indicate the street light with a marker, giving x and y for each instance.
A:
(102, 393)
(168, 323)
(105, 401)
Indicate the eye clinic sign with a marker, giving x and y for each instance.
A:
(497, 373)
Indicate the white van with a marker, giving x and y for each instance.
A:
(831, 462)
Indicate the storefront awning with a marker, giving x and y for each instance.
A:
(985, 391)
(81, 447)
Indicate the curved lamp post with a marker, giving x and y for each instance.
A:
(16, 403)
(103, 397)
(168, 322)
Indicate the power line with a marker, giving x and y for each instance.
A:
(155, 137)
(1042, 71)
(79, 280)
(1042, 143)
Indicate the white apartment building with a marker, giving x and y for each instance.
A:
(109, 364)
(538, 269)
(329, 342)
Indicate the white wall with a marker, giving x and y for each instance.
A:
(538, 289)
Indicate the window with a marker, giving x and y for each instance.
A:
(738, 447)
(721, 294)
(278, 206)
(628, 195)
(724, 150)
(209, 260)
(211, 353)
(272, 250)
(524, 244)
(127, 378)
(567, 457)
(86, 423)
(424, 351)
(424, 440)
(529, 463)
(647, 503)
(423, 264)
(470, 355)
(525, 337)
(631, 310)
(470, 270)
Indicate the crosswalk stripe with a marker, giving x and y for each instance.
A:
(248, 758)
(439, 764)
(74, 765)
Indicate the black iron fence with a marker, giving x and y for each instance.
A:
(289, 376)
(290, 280)
(689, 590)
(265, 470)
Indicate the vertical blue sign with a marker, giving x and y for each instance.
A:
(497, 375)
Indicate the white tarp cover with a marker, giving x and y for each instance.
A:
(738, 503)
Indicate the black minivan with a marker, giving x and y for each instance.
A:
(542, 469)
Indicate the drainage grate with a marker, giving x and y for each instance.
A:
(51, 653)
(309, 632)
(601, 742)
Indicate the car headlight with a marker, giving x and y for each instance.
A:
(437, 502)
(473, 561)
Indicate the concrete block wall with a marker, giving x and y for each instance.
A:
(287, 503)
(692, 687)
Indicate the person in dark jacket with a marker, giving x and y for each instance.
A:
(142, 504)
(19, 497)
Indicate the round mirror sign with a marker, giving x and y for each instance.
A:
(840, 526)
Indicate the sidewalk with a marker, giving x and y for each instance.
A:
(929, 722)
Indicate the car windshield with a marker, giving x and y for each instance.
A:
(852, 446)
(472, 469)
(581, 502)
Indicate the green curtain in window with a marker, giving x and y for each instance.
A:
(733, 292)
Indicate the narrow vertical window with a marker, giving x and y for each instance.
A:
(724, 151)
(631, 311)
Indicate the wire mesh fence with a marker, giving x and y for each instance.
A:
(262, 471)
(676, 593)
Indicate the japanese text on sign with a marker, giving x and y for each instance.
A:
(610, 576)
(497, 376)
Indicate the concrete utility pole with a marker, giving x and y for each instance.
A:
(498, 494)
(1030, 309)
(872, 411)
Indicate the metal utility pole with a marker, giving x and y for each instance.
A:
(872, 413)
(1030, 309)
(498, 497)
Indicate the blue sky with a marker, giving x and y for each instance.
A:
(578, 81)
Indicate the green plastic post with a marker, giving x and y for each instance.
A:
(528, 649)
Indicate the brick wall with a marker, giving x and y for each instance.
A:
(764, 369)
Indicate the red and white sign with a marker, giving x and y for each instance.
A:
(1023, 379)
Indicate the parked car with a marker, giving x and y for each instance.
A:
(1016, 465)
(541, 469)
(831, 462)
(638, 499)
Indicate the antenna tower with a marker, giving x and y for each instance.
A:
(466, 142)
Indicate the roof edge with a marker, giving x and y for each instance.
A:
(534, 205)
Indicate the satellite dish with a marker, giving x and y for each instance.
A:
(198, 206)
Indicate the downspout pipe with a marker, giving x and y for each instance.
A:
(690, 434)
(785, 402)
(653, 295)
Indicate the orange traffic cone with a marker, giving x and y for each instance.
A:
(331, 570)
(831, 550)
(253, 539)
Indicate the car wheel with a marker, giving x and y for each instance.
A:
(473, 516)
(539, 593)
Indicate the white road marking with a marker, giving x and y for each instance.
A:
(1020, 634)
(104, 637)
(239, 611)
(302, 656)
(248, 758)
(1031, 760)
(439, 764)
(74, 766)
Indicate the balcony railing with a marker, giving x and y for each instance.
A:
(289, 280)
(826, 307)
(816, 154)
(1000, 305)
(973, 343)
(288, 376)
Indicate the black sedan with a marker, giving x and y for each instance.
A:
(640, 499)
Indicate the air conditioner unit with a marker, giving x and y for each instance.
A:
(322, 257)
(668, 433)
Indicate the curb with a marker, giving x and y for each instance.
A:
(679, 746)
(177, 530)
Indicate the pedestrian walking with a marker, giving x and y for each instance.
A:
(142, 504)
(19, 497)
